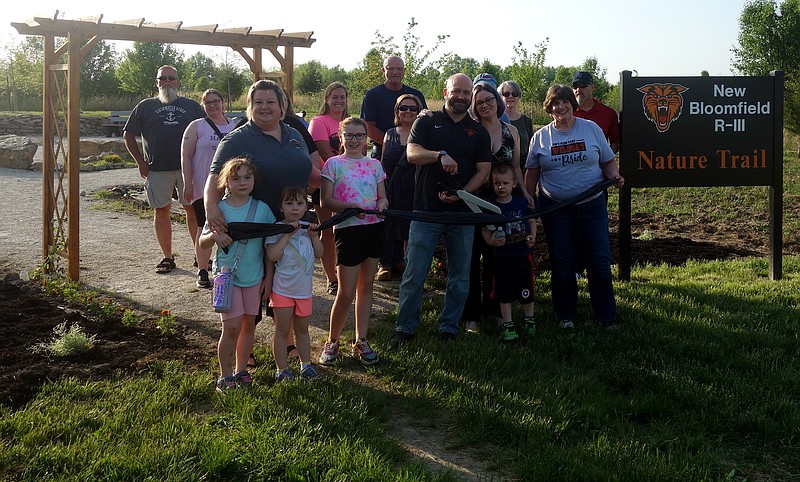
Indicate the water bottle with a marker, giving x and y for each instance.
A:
(223, 290)
(499, 233)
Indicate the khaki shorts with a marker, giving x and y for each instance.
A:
(161, 188)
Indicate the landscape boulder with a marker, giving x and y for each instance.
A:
(97, 147)
(16, 152)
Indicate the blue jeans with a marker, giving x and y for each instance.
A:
(576, 235)
(422, 240)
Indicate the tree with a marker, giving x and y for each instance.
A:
(22, 73)
(137, 71)
(769, 39)
(97, 71)
(528, 70)
(198, 73)
(422, 70)
(232, 81)
(308, 77)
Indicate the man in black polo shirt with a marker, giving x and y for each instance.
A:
(452, 151)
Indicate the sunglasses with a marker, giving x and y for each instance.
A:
(167, 77)
(404, 108)
(510, 94)
(577, 85)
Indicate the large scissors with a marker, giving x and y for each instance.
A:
(475, 204)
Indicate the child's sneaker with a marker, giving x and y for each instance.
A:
(530, 327)
(243, 379)
(284, 375)
(309, 373)
(224, 384)
(330, 353)
(566, 324)
(364, 352)
(508, 333)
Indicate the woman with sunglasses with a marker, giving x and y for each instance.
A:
(399, 172)
(511, 93)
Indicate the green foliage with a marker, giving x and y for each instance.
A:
(528, 71)
(130, 318)
(197, 73)
(66, 341)
(139, 66)
(701, 383)
(423, 72)
(97, 71)
(166, 323)
(769, 39)
(21, 67)
(308, 77)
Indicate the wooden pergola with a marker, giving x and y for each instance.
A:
(61, 101)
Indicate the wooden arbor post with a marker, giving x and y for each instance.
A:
(61, 96)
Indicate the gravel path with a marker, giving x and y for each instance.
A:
(119, 252)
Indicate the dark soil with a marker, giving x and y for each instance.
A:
(27, 316)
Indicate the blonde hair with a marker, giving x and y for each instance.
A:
(231, 167)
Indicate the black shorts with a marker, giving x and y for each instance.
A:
(357, 243)
(199, 209)
(513, 279)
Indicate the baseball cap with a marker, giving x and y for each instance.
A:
(582, 78)
(485, 77)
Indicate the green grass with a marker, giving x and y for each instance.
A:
(701, 383)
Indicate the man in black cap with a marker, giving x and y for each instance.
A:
(594, 110)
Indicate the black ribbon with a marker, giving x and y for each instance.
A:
(242, 230)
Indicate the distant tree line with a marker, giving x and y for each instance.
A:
(769, 39)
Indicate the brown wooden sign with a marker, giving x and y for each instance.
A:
(702, 131)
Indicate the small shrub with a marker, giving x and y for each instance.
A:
(66, 342)
(130, 318)
(166, 323)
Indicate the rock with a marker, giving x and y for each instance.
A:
(96, 148)
(16, 152)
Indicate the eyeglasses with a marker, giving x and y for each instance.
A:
(360, 136)
(510, 94)
(167, 77)
(481, 103)
(212, 102)
(577, 85)
(404, 108)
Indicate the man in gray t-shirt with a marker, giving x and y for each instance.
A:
(161, 121)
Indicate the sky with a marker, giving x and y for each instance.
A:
(676, 38)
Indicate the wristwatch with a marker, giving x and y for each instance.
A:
(441, 153)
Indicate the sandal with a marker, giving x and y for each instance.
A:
(165, 265)
(251, 361)
(333, 288)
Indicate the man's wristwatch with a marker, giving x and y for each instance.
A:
(441, 153)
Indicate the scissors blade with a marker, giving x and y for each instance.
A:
(475, 204)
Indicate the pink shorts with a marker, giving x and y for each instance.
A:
(245, 301)
(302, 306)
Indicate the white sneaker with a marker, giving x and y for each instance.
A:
(566, 324)
(471, 327)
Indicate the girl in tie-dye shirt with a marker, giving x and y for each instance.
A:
(353, 180)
